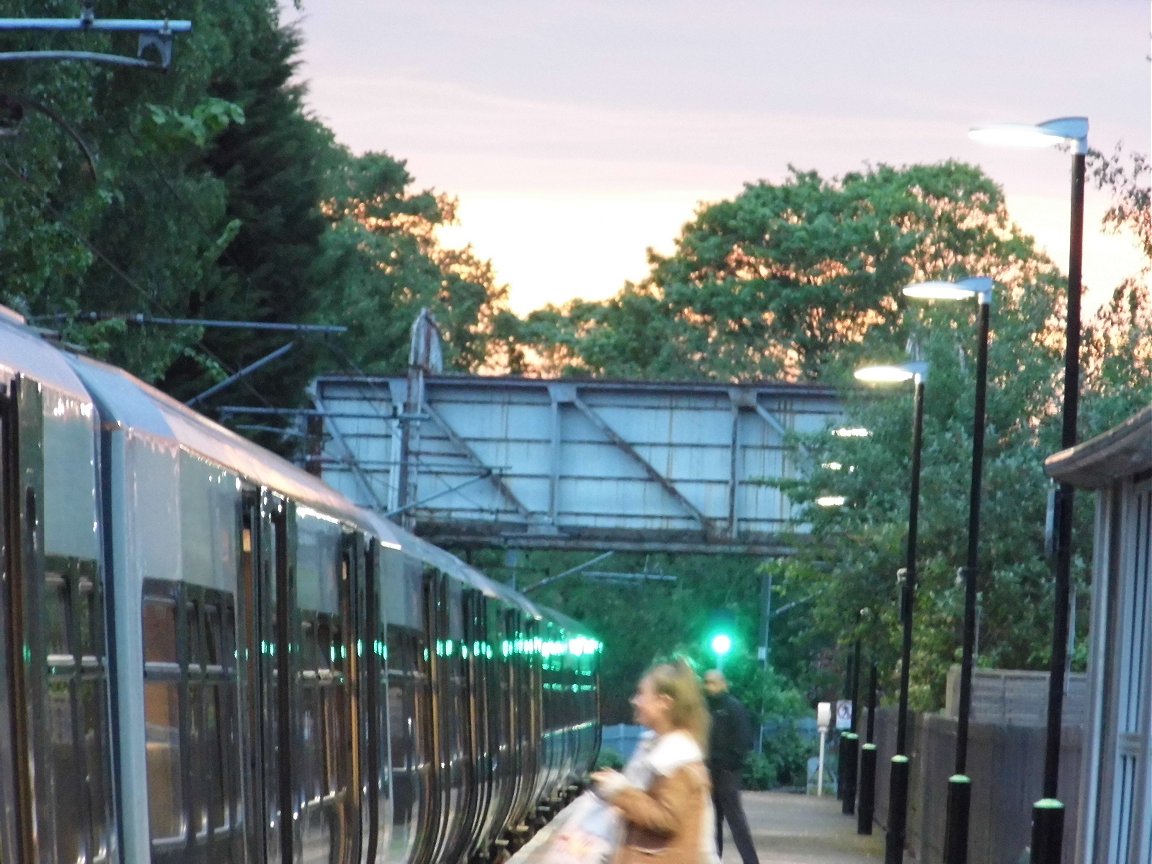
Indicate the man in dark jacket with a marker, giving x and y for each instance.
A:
(728, 743)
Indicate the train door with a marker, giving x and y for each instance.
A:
(17, 532)
(533, 693)
(350, 642)
(503, 746)
(479, 715)
(368, 653)
(266, 591)
(54, 710)
(517, 643)
(409, 732)
(449, 720)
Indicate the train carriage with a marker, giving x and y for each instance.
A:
(241, 665)
(56, 801)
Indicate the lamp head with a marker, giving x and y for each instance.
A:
(893, 374)
(979, 287)
(1073, 130)
(831, 501)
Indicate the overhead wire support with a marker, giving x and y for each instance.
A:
(142, 318)
(155, 34)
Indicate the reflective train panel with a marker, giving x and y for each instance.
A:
(209, 655)
(56, 801)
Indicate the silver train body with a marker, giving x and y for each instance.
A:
(207, 655)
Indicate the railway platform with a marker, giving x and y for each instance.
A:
(788, 829)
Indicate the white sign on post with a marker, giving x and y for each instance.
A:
(844, 714)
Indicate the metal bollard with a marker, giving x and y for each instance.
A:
(897, 811)
(867, 808)
(849, 750)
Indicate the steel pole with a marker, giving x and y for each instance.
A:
(1048, 813)
(959, 784)
(867, 804)
(899, 769)
(850, 738)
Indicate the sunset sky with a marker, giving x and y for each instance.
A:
(576, 135)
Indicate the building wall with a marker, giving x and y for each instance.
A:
(1117, 825)
(1116, 822)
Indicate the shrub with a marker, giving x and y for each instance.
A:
(783, 762)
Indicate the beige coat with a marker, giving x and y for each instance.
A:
(664, 822)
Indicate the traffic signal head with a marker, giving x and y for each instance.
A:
(721, 637)
(721, 644)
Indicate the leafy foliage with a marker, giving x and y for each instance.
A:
(799, 281)
(861, 545)
(790, 281)
(217, 198)
(783, 761)
(382, 242)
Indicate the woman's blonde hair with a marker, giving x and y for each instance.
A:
(677, 680)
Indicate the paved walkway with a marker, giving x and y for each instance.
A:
(804, 829)
(789, 829)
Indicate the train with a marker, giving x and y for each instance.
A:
(208, 655)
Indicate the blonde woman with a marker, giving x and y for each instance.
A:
(664, 794)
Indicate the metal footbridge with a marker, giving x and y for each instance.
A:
(572, 464)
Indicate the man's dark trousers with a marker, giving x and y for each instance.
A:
(726, 800)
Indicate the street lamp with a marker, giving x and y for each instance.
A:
(959, 784)
(898, 775)
(1048, 813)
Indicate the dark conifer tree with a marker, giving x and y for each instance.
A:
(271, 166)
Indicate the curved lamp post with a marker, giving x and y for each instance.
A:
(959, 784)
(1048, 813)
(898, 776)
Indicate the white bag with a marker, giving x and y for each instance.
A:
(588, 834)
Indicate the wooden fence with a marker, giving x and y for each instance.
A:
(1006, 765)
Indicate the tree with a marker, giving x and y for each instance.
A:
(68, 221)
(861, 544)
(272, 269)
(216, 197)
(1117, 344)
(382, 240)
(204, 202)
(791, 281)
(801, 282)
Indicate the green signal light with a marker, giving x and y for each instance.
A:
(721, 644)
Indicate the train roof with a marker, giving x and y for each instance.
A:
(464, 572)
(128, 403)
(568, 623)
(25, 352)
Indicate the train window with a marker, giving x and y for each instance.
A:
(56, 641)
(162, 740)
(159, 630)
(89, 617)
(324, 696)
(410, 729)
(76, 699)
(191, 720)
